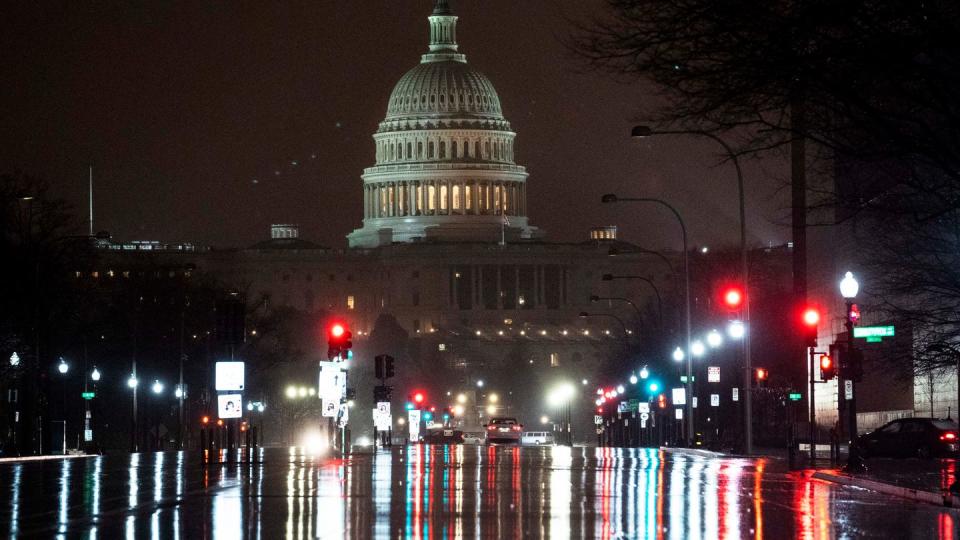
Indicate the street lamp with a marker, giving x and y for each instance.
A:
(178, 392)
(647, 131)
(714, 339)
(678, 354)
(132, 382)
(14, 359)
(633, 379)
(612, 198)
(480, 383)
(157, 387)
(697, 348)
(736, 330)
(95, 374)
(584, 314)
(644, 373)
(849, 287)
(63, 367)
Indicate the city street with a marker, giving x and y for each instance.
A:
(449, 492)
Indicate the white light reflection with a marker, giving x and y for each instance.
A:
(15, 500)
(95, 493)
(710, 504)
(560, 491)
(65, 466)
(677, 496)
(382, 493)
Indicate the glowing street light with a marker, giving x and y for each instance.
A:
(95, 374)
(714, 339)
(633, 379)
(697, 348)
(63, 367)
(544, 420)
(849, 286)
(736, 330)
(461, 398)
(157, 387)
(620, 389)
(291, 392)
(480, 383)
(14, 359)
(132, 382)
(493, 398)
(678, 355)
(644, 373)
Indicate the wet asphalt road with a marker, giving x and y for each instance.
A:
(448, 492)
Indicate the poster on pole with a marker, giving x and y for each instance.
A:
(714, 400)
(713, 374)
(736, 394)
(382, 418)
(678, 413)
(693, 402)
(679, 396)
(343, 415)
(643, 407)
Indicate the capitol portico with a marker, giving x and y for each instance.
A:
(445, 166)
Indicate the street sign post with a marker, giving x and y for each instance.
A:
(713, 374)
(714, 400)
(679, 396)
(796, 396)
(88, 395)
(736, 394)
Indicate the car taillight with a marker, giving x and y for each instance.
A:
(516, 428)
(948, 436)
(491, 428)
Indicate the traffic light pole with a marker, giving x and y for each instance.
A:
(854, 461)
(813, 409)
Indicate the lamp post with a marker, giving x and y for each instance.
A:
(157, 389)
(612, 198)
(647, 131)
(132, 384)
(849, 287)
(595, 298)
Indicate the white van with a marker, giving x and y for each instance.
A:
(537, 438)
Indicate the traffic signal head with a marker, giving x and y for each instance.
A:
(418, 397)
(410, 406)
(760, 376)
(338, 340)
(205, 420)
(811, 318)
(733, 298)
(388, 367)
(662, 401)
(828, 369)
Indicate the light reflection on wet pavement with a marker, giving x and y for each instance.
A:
(448, 492)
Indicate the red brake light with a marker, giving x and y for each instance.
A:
(517, 428)
(948, 436)
(491, 427)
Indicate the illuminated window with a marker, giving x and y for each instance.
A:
(95, 274)
(110, 273)
(456, 197)
(78, 274)
(443, 196)
(350, 302)
(554, 359)
(432, 198)
(468, 195)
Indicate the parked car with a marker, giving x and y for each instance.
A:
(537, 438)
(918, 437)
(504, 430)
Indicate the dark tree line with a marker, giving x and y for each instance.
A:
(866, 85)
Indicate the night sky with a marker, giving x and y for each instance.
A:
(193, 114)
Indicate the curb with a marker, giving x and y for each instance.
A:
(43, 458)
(940, 499)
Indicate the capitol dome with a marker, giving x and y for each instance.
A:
(445, 166)
(444, 89)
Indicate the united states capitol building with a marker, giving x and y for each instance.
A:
(446, 248)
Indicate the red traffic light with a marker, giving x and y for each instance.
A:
(733, 297)
(761, 374)
(826, 362)
(337, 330)
(205, 420)
(418, 397)
(811, 317)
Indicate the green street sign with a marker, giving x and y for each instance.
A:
(796, 396)
(873, 334)
(88, 395)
